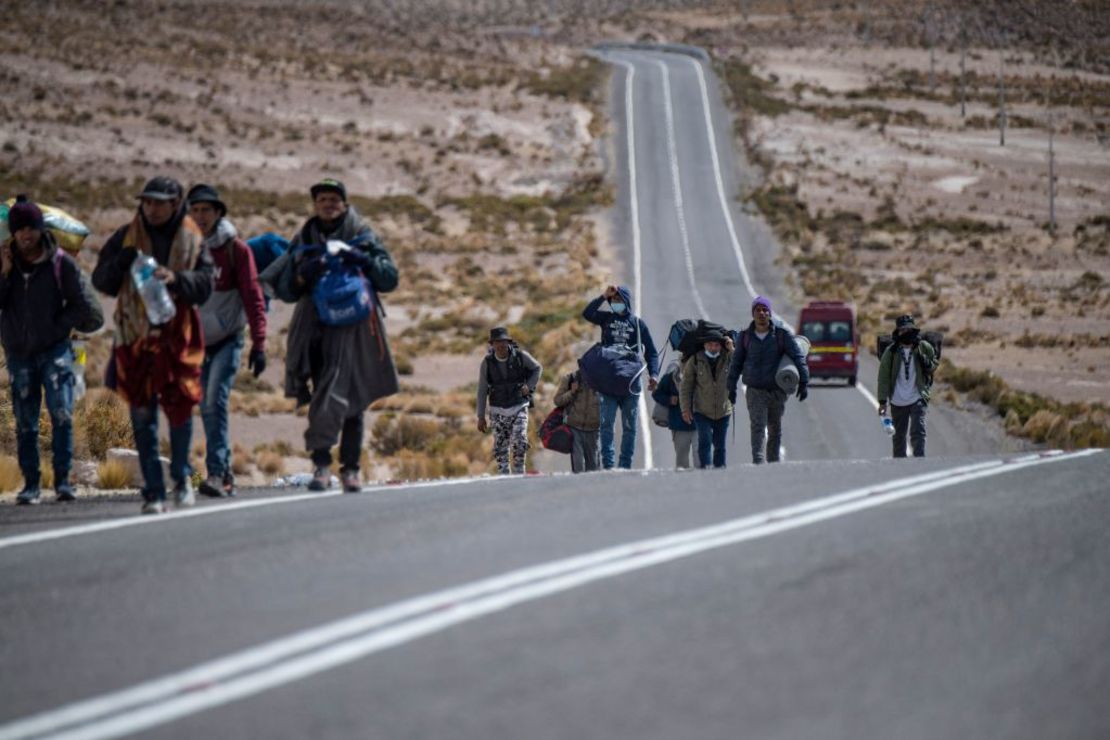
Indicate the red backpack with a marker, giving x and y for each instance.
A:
(555, 434)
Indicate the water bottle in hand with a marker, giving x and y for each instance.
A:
(155, 295)
(888, 426)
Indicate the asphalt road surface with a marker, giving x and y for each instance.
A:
(836, 595)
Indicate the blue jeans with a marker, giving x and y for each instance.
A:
(711, 433)
(50, 370)
(221, 363)
(144, 423)
(630, 412)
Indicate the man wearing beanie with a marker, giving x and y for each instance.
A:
(905, 379)
(338, 370)
(236, 301)
(759, 351)
(40, 303)
(158, 366)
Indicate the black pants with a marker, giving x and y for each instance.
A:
(350, 445)
(913, 417)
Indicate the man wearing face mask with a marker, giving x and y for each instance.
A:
(905, 380)
(156, 366)
(704, 396)
(40, 300)
(619, 326)
(338, 370)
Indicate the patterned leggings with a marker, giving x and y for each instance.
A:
(510, 433)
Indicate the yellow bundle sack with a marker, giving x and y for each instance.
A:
(68, 231)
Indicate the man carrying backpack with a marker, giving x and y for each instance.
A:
(236, 298)
(905, 380)
(507, 379)
(620, 327)
(583, 414)
(338, 368)
(41, 301)
(760, 349)
(158, 365)
(704, 396)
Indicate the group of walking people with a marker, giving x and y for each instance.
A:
(186, 288)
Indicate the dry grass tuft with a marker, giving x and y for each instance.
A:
(112, 475)
(11, 479)
(270, 463)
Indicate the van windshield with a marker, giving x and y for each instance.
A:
(828, 331)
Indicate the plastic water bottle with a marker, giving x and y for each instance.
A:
(80, 359)
(155, 295)
(888, 426)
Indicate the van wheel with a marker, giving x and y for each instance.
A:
(852, 380)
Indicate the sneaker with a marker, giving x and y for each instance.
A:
(154, 507)
(351, 481)
(212, 487)
(183, 495)
(28, 496)
(64, 492)
(229, 485)
(321, 480)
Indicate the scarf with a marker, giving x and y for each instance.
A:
(162, 360)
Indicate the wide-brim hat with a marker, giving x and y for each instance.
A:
(202, 193)
(499, 333)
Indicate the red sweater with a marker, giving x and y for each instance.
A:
(243, 277)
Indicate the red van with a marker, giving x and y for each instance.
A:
(830, 326)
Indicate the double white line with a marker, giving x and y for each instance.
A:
(322, 648)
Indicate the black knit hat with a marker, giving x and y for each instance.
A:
(329, 184)
(161, 188)
(202, 193)
(24, 213)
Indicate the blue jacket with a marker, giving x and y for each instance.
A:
(662, 394)
(759, 361)
(621, 330)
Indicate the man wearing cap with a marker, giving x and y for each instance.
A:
(759, 351)
(905, 380)
(338, 370)
(236, 301)
(158, 366)
(506, 380)
(40, 301)
(704, 396)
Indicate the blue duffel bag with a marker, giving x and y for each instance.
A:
(612, 371)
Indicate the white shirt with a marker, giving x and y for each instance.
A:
(905, 384)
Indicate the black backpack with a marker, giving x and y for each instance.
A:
(686, 335)
(935, 340)
(91, 317)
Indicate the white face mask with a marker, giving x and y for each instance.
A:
(712, 355)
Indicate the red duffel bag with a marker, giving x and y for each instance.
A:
(555, 434)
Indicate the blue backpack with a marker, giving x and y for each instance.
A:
(342, 295)
(267, 248)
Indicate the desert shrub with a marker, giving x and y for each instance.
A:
(391, 434)
(112, 475)
(240, 460)
(101, 421)
(11, 478)
(271, 463)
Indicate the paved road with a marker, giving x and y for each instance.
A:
(949, 597)
(701, 255)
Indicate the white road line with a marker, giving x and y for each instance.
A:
(723, 199)
(223, 508)
(637, 256)
(325, 647)
(676, 181)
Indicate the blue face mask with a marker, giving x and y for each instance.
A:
(712, 355)
(617, 307)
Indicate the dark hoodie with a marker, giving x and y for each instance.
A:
(114, 264)
(624, 330)
(35, 313)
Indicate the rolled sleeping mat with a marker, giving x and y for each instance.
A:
(786, 377)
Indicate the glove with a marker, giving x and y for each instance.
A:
(257, 362)
(732, 397)
(311, 268)
(803, 392)
(355, 257)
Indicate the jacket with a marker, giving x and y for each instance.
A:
(624, 330)
(503, 391)
(35, 314)
(705, 387)
(235, 284)
(114, 263)
(667, 389)
(340, 370)
(759, 361)
(890, 365)
(582, 405)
